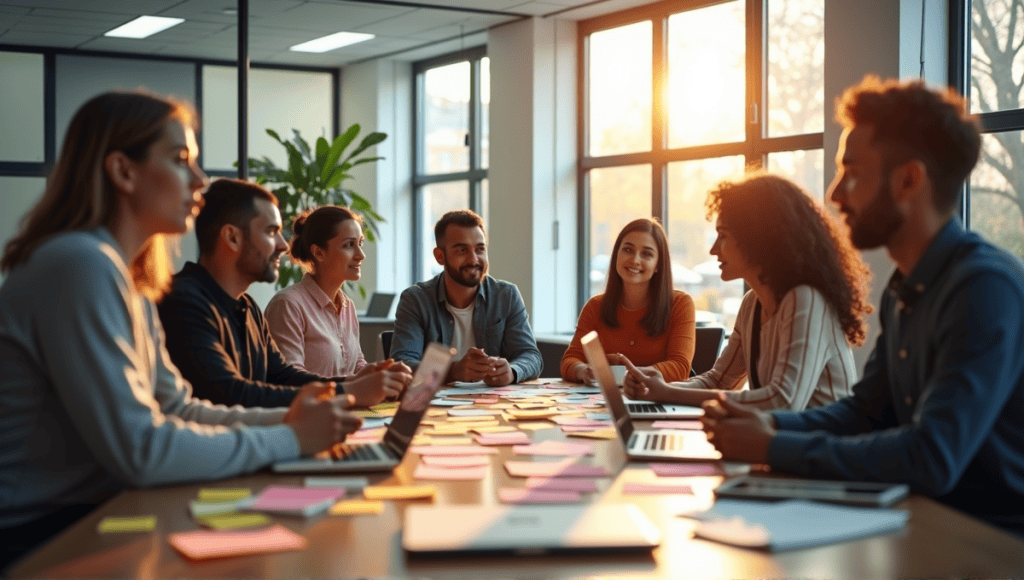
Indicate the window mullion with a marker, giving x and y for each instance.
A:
(757, 101)
(659, 115)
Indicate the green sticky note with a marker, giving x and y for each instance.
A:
(129, 524)
(223, 494)
(234, 521)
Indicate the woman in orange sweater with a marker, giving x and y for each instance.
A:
(640, 316)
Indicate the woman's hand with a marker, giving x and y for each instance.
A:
(645, 383)
(386, 380)
(584, 373)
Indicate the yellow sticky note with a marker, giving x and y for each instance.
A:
(596, 434)
(535, 425)
(532, 414)
(400, 492)
(366, 413)
(481, 429)
(379, 407)
(477, 420)
(436, 412)
(223, 494)
(127, 524)
(234, 521)
(355, 507)
(387, 412)
(421, 440)
(501, 406)
(450, 441)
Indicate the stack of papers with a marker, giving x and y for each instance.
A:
(792, 524)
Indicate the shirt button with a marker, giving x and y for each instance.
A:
(903, 353)
(631, 343)
(909, 400)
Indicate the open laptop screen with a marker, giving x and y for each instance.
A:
(425, 383)
(597, 359)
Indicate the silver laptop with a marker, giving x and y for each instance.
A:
(387, 454)
(380, 305)
(527, 530)
(661, 444)
(651, 410)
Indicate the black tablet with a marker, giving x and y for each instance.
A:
(845, 492)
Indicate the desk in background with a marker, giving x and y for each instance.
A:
(937, 541)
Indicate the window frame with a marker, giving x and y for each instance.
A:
(960, 80)
(476, 174)
(755, 147)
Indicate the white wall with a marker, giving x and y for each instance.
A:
(882, 38)
(21, 116)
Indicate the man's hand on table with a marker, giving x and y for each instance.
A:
(739, 432)
(477, 366)
(319, 418)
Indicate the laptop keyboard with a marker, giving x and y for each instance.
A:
(663, 442)
(645, 408)
(358, 453)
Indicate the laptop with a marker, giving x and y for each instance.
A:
(650, 410)
(380, 305)
(527, 530)
(388, 453)
(660, 444)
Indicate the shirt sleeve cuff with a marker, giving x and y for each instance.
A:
(786, 450)
(787, 420)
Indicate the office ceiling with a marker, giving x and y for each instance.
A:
(406, 30)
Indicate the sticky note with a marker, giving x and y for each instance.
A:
(553, 469)
(127, 524)
(296, 500)
(203, 545)
(595, 434)
(350, 483)
(436, 412)
(641, 487)
(383, 406)
(514, 438)
(450, 473)
(535, 425)
(473, 412)
(232, 521)
(562, 484)
(692, 425)
(452, 450)
(201, 509)
(482, 429)
(555, 448)
(532, 413)
(455, 460)
(451, 441)
(356, 507)
(525, 496)
(400, 492)
(223, 494)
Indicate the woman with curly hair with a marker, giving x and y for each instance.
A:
(806, 306)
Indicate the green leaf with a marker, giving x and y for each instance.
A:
(336, 179)
(322, 149)
(366, 160)
(369, 141)
(274, 134)
(340, 143)
(302, 145)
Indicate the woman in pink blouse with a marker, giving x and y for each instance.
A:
(313, 322)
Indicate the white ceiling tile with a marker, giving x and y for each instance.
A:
(36, 39)
(536, 8)
(329, 18)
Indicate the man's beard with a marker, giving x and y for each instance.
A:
(872, 227)
(262, 270)
(468, 276)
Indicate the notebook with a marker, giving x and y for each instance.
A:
(527, 530)
(387, 454)
(380, 305)
(662, 444)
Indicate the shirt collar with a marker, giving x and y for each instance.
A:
(442, 297)
(910, 288)
(225, 300)
(316, 292)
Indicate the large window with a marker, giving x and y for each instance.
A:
(988, 66)
(679, 95)
(452, 127)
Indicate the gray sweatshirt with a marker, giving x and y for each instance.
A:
(89, 400)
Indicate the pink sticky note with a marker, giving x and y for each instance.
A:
(580, 421)
(455, 460)
(553, 469)
(486, 400)
(641, 487)
(515, 495)
(550, 447)
(513, 438)
(562, 484)
(685, 469)
(295, 499)
(695, 425)
(202, 545)
(450, 473)
(452, 450)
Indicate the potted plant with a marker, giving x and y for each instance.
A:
(314, 178)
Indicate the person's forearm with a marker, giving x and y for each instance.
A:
(688, 396)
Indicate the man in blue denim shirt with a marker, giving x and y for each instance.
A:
(941, 403)
(484, 319)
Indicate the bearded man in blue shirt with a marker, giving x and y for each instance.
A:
(941, 404)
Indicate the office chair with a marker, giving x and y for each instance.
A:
(705, 353)
(384, 344)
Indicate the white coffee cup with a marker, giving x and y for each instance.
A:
(619, 372)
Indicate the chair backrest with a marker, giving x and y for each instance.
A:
(709, 343)
(384, 344)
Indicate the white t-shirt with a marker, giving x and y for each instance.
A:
(463, 339)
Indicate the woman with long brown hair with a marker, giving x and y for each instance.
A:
(640, 316)
(91, 402)
(805, 308)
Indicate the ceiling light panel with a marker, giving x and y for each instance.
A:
(331, 42)
(144, 26)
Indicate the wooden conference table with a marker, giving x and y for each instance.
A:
(937, 540)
